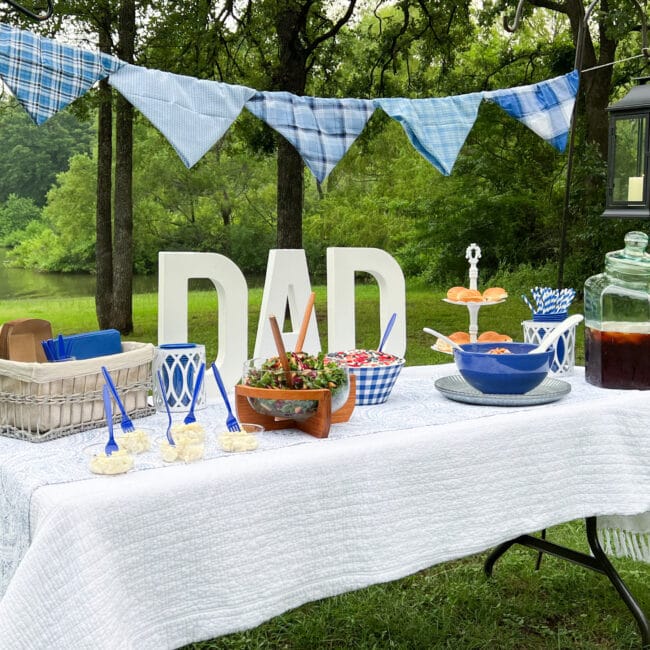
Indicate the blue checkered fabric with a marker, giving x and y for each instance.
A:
(193, 114)
(437, 127)
(321, 129)
(46, 76)
(545, 107)
(374, 383)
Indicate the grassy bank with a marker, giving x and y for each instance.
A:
(449, 606)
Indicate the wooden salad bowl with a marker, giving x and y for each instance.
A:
(317, 425)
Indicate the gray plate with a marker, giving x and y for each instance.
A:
(456, 388)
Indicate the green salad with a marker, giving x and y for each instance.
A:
(307, 372)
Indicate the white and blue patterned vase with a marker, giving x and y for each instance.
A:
(179, 365)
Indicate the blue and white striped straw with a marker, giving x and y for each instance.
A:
(549, 301)
(538, 296)
(565, 299)
(528, 303)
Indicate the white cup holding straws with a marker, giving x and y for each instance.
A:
(550, 308)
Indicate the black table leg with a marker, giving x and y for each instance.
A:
(617, 581)
(598, 562)
(496, 554)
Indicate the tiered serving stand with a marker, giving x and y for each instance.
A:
(473, 255)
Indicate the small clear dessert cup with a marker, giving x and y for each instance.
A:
(184, 449)
(119, 462)
(135, 442)
(244, 440)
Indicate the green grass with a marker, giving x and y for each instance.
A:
(454, 606)
(449, 606)
(424, 307)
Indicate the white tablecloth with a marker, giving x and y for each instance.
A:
(162, 557)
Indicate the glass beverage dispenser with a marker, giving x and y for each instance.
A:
(617, 318)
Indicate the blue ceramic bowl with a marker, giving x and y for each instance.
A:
(514, 374)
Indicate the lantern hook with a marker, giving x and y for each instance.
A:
(515, 25)
(34, 16)
(580, 41)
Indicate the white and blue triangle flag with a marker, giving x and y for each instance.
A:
(44, 75)
(437, 127)
(545, 107)
(193, 114)
(321, 129)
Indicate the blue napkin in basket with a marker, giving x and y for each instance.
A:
(86, 345)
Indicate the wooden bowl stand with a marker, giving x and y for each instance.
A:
(318, 425)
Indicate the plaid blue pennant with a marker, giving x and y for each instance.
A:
(436, 127)
(545, 107)
(46, 76)
(321, 129)
(193, 114)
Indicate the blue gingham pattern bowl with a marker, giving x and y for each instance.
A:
(374, 383)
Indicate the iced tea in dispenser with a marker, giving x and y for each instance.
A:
(617, 318)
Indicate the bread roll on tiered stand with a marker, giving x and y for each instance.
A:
(472, 298)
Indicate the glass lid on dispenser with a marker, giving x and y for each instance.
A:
(633, 259)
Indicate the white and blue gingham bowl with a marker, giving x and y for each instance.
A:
(374, 383)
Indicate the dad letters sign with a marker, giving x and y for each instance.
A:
(287, 283)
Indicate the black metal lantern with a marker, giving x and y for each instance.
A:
(628, 193)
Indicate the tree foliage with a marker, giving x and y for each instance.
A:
(303, 46)
(16, 213)
(63, 239)
(505, 193)
(31, 156)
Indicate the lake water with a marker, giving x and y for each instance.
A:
(21, 283)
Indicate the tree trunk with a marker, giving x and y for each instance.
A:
(290, 75)
(290, 196)
(123, 241)
(103, 227)
(123, 238)
(597, 86)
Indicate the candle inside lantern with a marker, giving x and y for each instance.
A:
(635, 188)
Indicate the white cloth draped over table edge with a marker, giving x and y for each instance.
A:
(323, 520)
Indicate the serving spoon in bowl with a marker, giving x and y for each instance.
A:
(553, 335)
(446, 339)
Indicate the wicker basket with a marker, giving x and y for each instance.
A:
(44, 401)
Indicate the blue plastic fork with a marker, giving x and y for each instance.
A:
(125, 423)
(231, 420)
(189, 418)
(111, 445)
(163, 395)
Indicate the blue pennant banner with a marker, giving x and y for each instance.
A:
(46, 76)
(193, 114)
